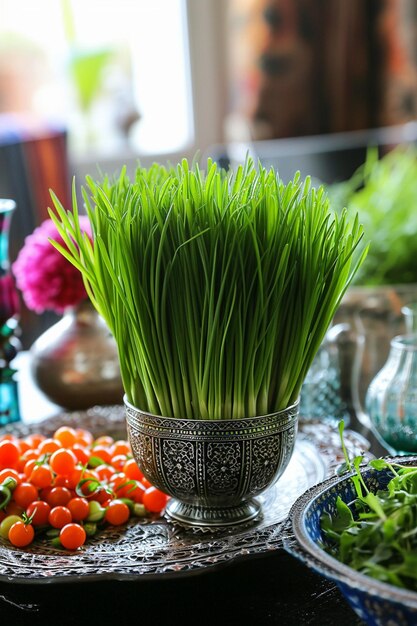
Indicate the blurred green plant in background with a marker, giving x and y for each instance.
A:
(383, 191)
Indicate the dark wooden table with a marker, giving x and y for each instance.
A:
(270, 589)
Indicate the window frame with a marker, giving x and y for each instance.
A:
(206, 25)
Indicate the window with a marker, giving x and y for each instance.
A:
(116, 73)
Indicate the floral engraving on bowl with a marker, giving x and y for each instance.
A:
(177, 458)
(208, 466)
(142, 447)
(223, 467)
(266, 458)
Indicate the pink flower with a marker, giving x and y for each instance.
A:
(45, 278)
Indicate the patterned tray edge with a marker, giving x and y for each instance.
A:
(206, 551)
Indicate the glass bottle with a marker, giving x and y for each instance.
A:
(409, 312)
(391, 399)
(323, 395)
(9, 307)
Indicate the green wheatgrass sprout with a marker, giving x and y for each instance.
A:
(218, 287)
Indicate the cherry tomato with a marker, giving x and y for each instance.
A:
(118, 462)
(102, 496)
(74, 478)
(131, 469)
(154, 500)
(34, 440)
(117, 480)
(101, 452)
(106, 503)
(59, 516)
(29, 467)
(88, 487)
(83, 437)
(39, 509)
(120, 484)
(120, 447)
(105, 472)
(66, 436)
(81, 452)
(7, 523)
(104, 440)
(9, 454)
(50, 474)
(9, 473)
(63, 461)
(48, 446)
(135, 491)
(72, 536)
(25, 457)
(90, 473)
(117, 513)
(58, 496)
(24, 494)
(79, 508)
(96, 512)
(41, 476)
(21, 534)
(23, 446)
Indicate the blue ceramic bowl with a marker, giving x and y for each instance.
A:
(377, 603)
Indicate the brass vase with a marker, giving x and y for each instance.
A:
(75, 362)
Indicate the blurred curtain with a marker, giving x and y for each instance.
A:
(302, 67)
(33, 159)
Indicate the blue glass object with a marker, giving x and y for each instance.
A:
(321, 394)
(9, 306)
(9, 400)
(391, 399)
(409, 312)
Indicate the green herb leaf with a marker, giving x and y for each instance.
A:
(376, 534)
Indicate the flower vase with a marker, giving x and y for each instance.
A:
(75, 362)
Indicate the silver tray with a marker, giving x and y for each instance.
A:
(157, 547)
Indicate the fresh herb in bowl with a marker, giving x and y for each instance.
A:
(376, 534)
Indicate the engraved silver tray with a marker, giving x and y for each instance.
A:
(158, 547)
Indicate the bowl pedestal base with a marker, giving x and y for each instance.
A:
(211, 516)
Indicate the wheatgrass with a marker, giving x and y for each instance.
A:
(218, 286)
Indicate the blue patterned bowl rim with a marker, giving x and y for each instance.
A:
(298, 543)
(202, 422)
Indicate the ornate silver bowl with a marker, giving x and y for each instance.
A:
(212, 468)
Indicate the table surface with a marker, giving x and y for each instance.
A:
(270, 589)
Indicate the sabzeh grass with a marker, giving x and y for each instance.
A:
(218, 286)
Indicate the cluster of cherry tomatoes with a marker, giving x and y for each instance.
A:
(69, 485)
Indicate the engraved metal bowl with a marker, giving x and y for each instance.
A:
(377, 603)
(213, 469)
